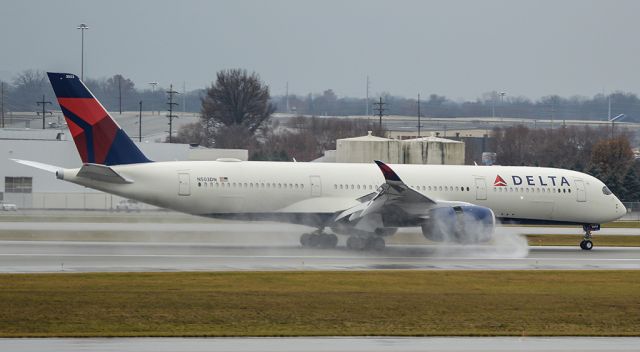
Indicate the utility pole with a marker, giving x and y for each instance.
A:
(418, 115)
(184, 97)
(286, 97)
(44, 111)
(366, 104)
(380, 109)
(140, 124)
(171, 104)
(120, 93)
(2, 101)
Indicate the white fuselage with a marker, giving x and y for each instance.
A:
(212, 188)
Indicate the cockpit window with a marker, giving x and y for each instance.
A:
(606, 190)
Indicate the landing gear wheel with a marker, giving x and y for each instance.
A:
(318, 240)
(376, 243)
(357, 243)
(331, 241)
(586, 245)
(304, 239)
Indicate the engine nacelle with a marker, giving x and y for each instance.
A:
(460, 224)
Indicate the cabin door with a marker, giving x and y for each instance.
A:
(316, 186)
(481, 188)
(184, 185)
(581, 192)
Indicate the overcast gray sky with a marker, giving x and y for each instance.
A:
(460, 49)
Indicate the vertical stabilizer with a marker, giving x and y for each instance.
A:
(99, 139)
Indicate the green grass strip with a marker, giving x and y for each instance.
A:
(574, 240)
(394, 303)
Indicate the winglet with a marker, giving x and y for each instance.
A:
(387, 172)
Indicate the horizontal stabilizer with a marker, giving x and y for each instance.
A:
(37, 165)
(101, 173)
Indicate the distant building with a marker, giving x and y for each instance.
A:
(426, 150)
(367, 148)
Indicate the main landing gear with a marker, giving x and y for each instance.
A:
(318, 239)
(365, 242)
(586, 243)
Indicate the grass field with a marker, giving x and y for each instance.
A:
(395, 303)
(574, 240)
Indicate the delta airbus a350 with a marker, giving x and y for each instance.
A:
(363, 201)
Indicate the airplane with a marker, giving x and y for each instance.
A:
(366, 202)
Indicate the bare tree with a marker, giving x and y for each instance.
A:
(235, 107)
(29, 86)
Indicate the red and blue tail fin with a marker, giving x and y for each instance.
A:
(99, 139)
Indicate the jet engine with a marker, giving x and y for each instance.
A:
(460, 224)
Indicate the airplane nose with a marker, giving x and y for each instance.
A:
(622, 208)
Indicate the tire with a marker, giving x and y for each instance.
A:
(331, 241)
(582, 244)
(587, 245)
(304, 239)
(315, 240)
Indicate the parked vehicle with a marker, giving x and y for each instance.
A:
(128, 205)
(8, 206)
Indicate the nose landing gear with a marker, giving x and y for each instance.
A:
(586, 243)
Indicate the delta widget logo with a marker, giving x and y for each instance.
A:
(499, 182)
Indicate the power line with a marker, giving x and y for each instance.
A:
(44, 111)
(171, 104)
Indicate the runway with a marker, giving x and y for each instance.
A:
(197, 244)
(220, 227)
(72, 256)
(373, 344)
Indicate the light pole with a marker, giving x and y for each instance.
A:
(82, 27)
(153, 91)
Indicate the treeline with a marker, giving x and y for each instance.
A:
(302, 138)
(27, 87)
(490, 104)
(113, 92)
(584, 149)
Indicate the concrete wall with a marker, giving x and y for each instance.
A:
(433, 152)
(366, 151)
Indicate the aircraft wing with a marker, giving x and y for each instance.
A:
(394, 202)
